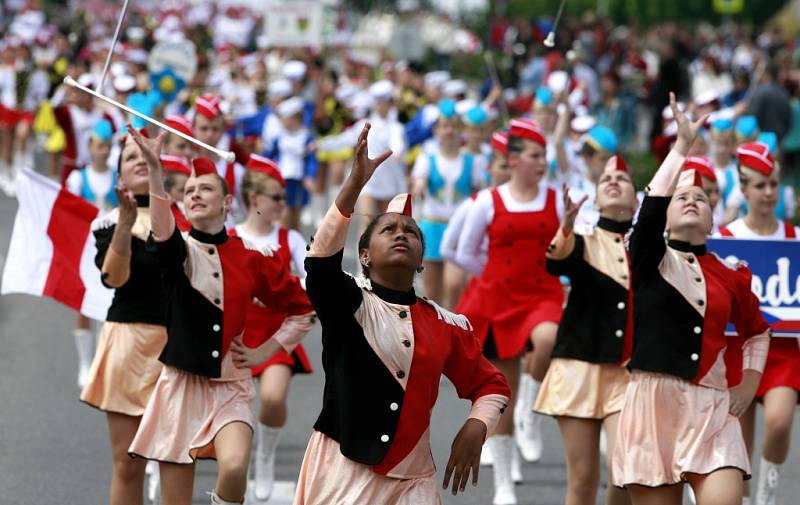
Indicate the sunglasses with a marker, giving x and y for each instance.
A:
(277, 198)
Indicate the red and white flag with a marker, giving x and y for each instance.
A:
(52, 248)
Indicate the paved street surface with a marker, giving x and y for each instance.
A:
(54, 450)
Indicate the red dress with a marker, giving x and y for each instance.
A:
(261, 323)
(783, 360)
(514, 293)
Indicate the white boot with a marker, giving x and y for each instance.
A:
(264, 469)
(84, 344)
(153, 486)
(690, 494)
(216, 500)
(528, 433)
(768, 477)
(486, 454)
(516, 467)
(604, 444)
(502, 447)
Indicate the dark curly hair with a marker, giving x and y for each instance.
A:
(363, 241)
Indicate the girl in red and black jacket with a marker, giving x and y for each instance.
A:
(202, 403)
(384, 352)
(678, 422)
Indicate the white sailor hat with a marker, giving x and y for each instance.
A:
(464, 106)
(558, 81)
(582, 124)
(360, 104)
(294, 70)
(382, 91)
(136, 33)
(279, 89)
(87, 80)
(707, 97)
(345, 93)
(666, 112)
(453, 88)
(290, 107)
(124, 83)
(437, 78)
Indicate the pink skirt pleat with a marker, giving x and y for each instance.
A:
(185, 413)
(670, 427)
(329, 478)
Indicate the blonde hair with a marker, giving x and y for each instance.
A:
(254, 182)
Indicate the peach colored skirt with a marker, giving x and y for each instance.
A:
(574, 388)
(125, 367)
(327, 478)
(670, 427)
(185, 413)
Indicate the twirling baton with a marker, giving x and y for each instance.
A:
(228, 156)
(550, 41)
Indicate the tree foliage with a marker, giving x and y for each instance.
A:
(647, 12)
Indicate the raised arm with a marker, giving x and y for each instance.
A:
(561, 254)
(647, 244)
(666, 177)
(116, 267)
(162, 223)
(332, 292)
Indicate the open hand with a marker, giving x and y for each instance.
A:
(687, 130)
(363, 166)
(465, 455)
(151, 148)
(127, 207)
(571, 210)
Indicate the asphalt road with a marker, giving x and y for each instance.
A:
(54, 449)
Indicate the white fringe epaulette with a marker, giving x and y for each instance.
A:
(451, 318)
(361, 281)
(732, 265)
(267, 250)
(107, 221)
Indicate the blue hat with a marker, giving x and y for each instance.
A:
(103, 130)
(721, 125)
(770, 139)
(447, 108)
(544, 95)
(747, 126)
(601, 137)
(476, 116)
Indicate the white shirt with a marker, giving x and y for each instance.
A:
(386, 134)
(292, 153)
(297, 246)
(481, 215)
(739, 229)
(455, 227)
(443, 205)
(99, 182)
(83, 122)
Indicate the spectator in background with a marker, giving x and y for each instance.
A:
(770, 104)
(614, 110)
(791, 141)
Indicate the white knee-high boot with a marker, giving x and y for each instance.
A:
(502, 447)
(486, 454)
(768, 478)
(84, 344)
(527, 430)
(264, 469)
